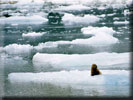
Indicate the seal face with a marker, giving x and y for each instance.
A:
(94, 70)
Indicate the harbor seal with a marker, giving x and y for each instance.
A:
(94, 70)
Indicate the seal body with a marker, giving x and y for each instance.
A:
(94, 70)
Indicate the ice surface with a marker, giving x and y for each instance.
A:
(70, 19)
(46, 45)
(121, 22)
(53, 45)
(101, 35)
(96, 30)
(21, 49)
(35, 19)
(75, 77)
(99, 39)
(18, 49)
(32, 34)
(73, 7)
(67, 61)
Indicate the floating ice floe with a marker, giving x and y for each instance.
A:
(121, 22)
(51, 44)
(23, 20)
(70, 19)
(75, 77)
(66, 61)
(46, 45)
(96, 30)
(97, 40)
(32, 34)
(101, 36)
(18, 49)
(73, 7)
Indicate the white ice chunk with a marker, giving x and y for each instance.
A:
(73, 7)
(36, 19)
(99, 39)
(101, 36)
(97, 30)
(121, 22)
(18, 49)
(75, 77)
(32, 34)
(79, 60)
(70, 19)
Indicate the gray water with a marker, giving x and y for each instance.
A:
(12, 34)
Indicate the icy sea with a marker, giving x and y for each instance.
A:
(38, 59)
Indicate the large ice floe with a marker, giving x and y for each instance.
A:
(35, 19)
(81, 61)
(100, 36)
(75, 77)
(32, 34)
(70, 19)
(96, 30)
(18, 49)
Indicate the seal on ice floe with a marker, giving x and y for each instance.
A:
(94, 70)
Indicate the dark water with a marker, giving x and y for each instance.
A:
(12, 34)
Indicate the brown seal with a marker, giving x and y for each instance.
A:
(94, 70)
